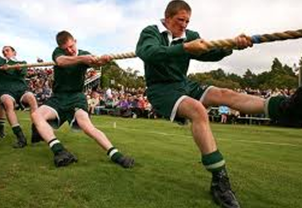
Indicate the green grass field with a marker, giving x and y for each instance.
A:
(264, 165)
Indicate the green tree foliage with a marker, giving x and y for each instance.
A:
(114, 76)
(249, 80)
(279, 76)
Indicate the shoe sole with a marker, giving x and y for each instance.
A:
(63, 163)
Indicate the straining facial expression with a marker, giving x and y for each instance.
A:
(178, 23)
(70, 47)
(8, 52)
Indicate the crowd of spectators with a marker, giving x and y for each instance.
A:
(133, 103)
(124, 102)
(40, 83)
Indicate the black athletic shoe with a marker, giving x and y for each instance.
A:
(222, 192)
(35, 136)
(292, 106)
(125, 162)
(64, 158)
(21, 141)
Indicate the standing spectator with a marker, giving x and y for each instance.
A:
(224, 113)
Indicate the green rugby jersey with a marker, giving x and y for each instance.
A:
(69, 78)
(12, 79)
(165, 62)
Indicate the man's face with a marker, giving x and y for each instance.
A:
(178, 23)
(70, 47)
(8, 52)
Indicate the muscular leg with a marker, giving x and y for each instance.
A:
(202, 134)
(244, 103)
(9, 105)
(2, 122)
(29, 99)
(212, 159)
(86, 125)
(40, 117)
(282, 109)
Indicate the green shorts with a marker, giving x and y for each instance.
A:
(165, 98)
(65, 105)
(16, 96)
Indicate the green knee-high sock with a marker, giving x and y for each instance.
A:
(272, 107)
(114, 154)
(213, 162)
(2, 122)
(55, 146)
(17, 130)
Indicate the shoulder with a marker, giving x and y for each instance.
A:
(2, 61)
(57, 52)
(151, 29)
(82, 52)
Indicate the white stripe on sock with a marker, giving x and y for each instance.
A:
(51, 144)
(113, 152)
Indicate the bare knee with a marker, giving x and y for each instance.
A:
(193, 110)
(41, 114)
(200, 115)
(30, 99)
(8, 103)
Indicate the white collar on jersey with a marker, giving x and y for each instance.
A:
(161, 27)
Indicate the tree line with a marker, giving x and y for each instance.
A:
(278, 76)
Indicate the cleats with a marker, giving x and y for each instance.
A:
(64, 158)
(221, 191)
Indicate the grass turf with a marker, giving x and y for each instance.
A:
(264, 165)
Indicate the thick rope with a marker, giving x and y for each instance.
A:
(226, 43)
(43, 64)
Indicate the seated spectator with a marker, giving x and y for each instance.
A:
(92, 101)
(123, 108)
(141, 106)
(234, 114)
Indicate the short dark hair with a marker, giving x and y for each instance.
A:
(175, 6)
(11, 47)
(62, 37)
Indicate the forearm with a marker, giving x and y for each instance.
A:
(69, 60)
(213, 55)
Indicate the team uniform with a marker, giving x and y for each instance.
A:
(166, 70)
(14, 85)
(12, 81)
(166, 65)
(68, 96)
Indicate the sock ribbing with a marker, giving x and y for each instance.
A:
(214, 161)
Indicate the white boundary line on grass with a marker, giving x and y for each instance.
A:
(189, 136)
